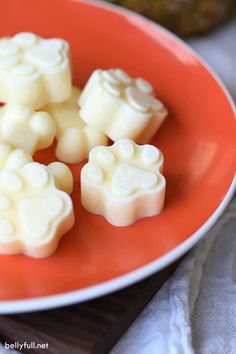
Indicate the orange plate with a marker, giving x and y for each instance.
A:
(197, 140)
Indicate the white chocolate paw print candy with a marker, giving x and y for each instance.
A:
(34, 213)
(74, 138)
(33, 70)
(123, 182)
(15, 159)
(25, 128)
(121, 107)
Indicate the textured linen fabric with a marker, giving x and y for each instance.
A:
(195, 311)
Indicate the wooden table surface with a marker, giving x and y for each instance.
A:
(95, 326)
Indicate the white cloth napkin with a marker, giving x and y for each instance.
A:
(195, 311)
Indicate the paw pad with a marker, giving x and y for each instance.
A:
(125, 107)
(29, 67)
(123, 182)
(12, 159)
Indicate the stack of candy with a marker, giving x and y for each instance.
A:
(122, 182)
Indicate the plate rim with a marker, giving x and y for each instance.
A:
(117, 283)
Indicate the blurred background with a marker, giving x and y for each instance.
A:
(208, 26)
(184, 17)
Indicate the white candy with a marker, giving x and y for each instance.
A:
(123, 182)
(5, 202)
(34, 212)
(74, 138)
(121, 107)
(33, 70)
(12, 160)
(25, 128)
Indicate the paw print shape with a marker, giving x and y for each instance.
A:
(14, 159)
(120, 106)
(123, 182)
(74, 138)
(29, 68)
(34, 212)
(25, 128)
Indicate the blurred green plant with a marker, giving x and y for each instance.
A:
(184, 17)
